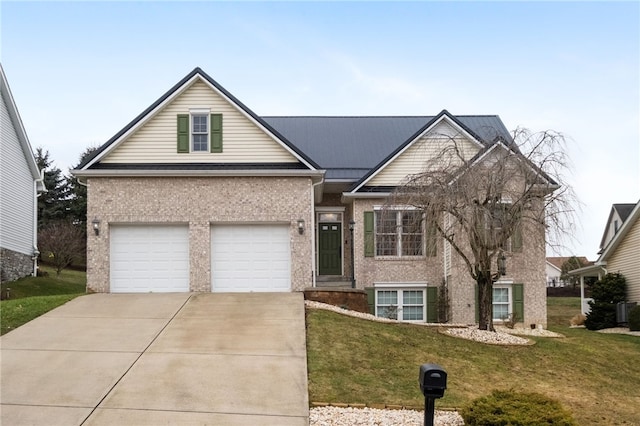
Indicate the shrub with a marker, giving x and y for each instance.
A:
(510, 408)
(578, 320)
(606, 293)
(634, 318)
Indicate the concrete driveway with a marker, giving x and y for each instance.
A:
(149, 359)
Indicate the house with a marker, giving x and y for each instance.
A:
(619, 213)
(620, 253)
(198, 193)
(554, 269)
(20, 182)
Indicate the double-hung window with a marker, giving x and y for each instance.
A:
(399, 233)
(501, 302)
(199, 132)
(401, 304)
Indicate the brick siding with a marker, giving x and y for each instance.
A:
(198, 202)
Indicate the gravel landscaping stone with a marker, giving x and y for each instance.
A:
(335, 416)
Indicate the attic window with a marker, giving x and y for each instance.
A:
(199, 132)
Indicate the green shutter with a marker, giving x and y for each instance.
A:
(371, 299)
(477, 294)
(517, 292)
(216, 132)
(516, 239)
(369, 246)
(432, 304)
(183, 133)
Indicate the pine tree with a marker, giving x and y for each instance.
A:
(52, 204)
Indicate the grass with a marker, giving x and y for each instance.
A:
(31, 297)
(357, 361)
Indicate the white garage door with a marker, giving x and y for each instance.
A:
(250, 258)
(149, 258)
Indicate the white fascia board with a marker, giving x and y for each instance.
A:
(622, 232)
(365, 194)
(143, 121)
(14, 114)
(258, 124)
(316, 175)
(417, 138)
(595, 268)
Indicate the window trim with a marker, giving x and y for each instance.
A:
(508, 284)
(206, 112)
(399, 210)
(400, 288)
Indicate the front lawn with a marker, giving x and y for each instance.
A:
(31, 297)
(358, 361)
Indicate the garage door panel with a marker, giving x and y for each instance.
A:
(149, 258)
(250, 258)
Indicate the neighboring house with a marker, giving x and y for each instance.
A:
(554, 269)
(198, 193)
(619, 213)
(20, 183)
(621, 252)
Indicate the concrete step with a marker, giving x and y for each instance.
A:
(333, 284)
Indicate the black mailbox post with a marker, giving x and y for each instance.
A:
(433, 382)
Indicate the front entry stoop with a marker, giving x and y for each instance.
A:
(333, 281)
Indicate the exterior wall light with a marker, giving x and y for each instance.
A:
(300, 226)
(96, 226)
(502, 264)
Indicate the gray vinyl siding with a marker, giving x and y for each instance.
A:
(16, 189)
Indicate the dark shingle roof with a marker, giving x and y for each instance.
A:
(349, 147)
(624, 210)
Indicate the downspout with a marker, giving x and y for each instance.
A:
(313, 231)
(36, 195)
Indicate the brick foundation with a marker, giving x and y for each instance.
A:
(352, 299)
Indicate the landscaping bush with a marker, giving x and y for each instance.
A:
(510, 408)
(634, 318)
(577, 320)
(606, 293)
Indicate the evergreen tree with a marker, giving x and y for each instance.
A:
(78, 192)
(52, 205)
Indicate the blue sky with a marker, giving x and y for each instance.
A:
(80, 71)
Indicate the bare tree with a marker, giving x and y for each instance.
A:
(62, 242)
(482, 200)
(572, 263)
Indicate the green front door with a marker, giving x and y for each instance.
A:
(330, 249)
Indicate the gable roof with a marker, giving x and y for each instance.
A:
(559, 261)
(632, 217)
(444, 115)
(350, 147)
(174, 91)
(14, 115)
(623, 210)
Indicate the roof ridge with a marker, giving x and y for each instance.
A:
(373, 116)
(345, 116)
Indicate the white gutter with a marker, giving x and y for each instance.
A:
(38, 188)
(198, 173)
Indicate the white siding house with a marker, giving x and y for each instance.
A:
(20, 183)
